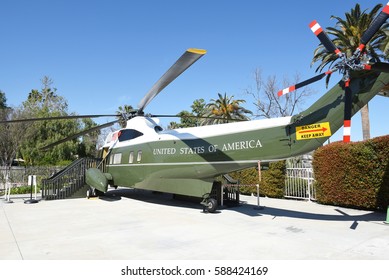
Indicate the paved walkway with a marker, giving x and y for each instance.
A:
(133, 224)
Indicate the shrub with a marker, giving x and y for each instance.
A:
(273, 180)
(248, 179)
(353, 174)
(24, 190)
(272, 184)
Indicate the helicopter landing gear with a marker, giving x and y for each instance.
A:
(209, 205)
(93, 192)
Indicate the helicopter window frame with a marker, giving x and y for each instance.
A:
(129, 134)
(139, 156)
(131, 157)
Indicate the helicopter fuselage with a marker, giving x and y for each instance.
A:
(186, 161)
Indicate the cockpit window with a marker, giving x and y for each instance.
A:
(128, 134)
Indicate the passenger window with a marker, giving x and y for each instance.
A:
(139, 157)
(131, 159)
(117, 158)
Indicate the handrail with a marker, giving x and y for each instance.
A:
(68, 181)
(65, 169)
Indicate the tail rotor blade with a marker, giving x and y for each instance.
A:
(379, 66)
(305, 83)
(323, 37)
(375, 25)
(347, 112)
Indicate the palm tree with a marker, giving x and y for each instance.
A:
(347, 35)
(126, 109)
(225, 109)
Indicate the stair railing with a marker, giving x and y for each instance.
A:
(68, 181)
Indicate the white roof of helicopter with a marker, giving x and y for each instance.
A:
(227, 128)
(150, 127)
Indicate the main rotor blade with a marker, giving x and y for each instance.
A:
(323, 37)
(378, 66)
(347, 112)
(192, 117)
(306, 82)
(57, 118)
(375, 25)
(183, 63)
(79, 134)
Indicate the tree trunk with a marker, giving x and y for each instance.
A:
(365, 122)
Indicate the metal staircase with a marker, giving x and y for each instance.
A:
(68, 182)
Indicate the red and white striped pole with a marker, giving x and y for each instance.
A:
(347, 113)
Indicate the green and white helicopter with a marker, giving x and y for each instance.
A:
(186, 161)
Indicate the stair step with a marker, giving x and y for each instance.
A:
(68, 182)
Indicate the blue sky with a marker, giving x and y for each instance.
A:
(103, 54)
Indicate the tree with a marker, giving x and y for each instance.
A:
(225, 109)
(193, 118)
(122, 111)
(88, 145)
(347, 34)
(12, 136)
(5, 149)
(3, 101)
(47, 103)
(267, 102)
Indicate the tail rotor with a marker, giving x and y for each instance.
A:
(358, 61)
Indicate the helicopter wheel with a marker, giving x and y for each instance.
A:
(92, 192)
(211, 205)
(89, 193)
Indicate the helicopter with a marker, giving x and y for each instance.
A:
(186, 161)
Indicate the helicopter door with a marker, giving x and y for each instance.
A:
(105, 152)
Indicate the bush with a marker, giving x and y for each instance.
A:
(353, 174)
(248, 179)
(24, 190)
(272, 184)
(273, 180)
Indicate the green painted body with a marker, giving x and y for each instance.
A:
(96, 178)
(186, 161)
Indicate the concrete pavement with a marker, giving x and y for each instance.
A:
(135, 224)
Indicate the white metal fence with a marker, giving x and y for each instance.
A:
(299, 182)
(18, 176)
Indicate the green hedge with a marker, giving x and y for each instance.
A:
(21, 190)
(272, 184)
(273, 180)
(354, 174)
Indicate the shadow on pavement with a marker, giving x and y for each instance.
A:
(244, 208)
